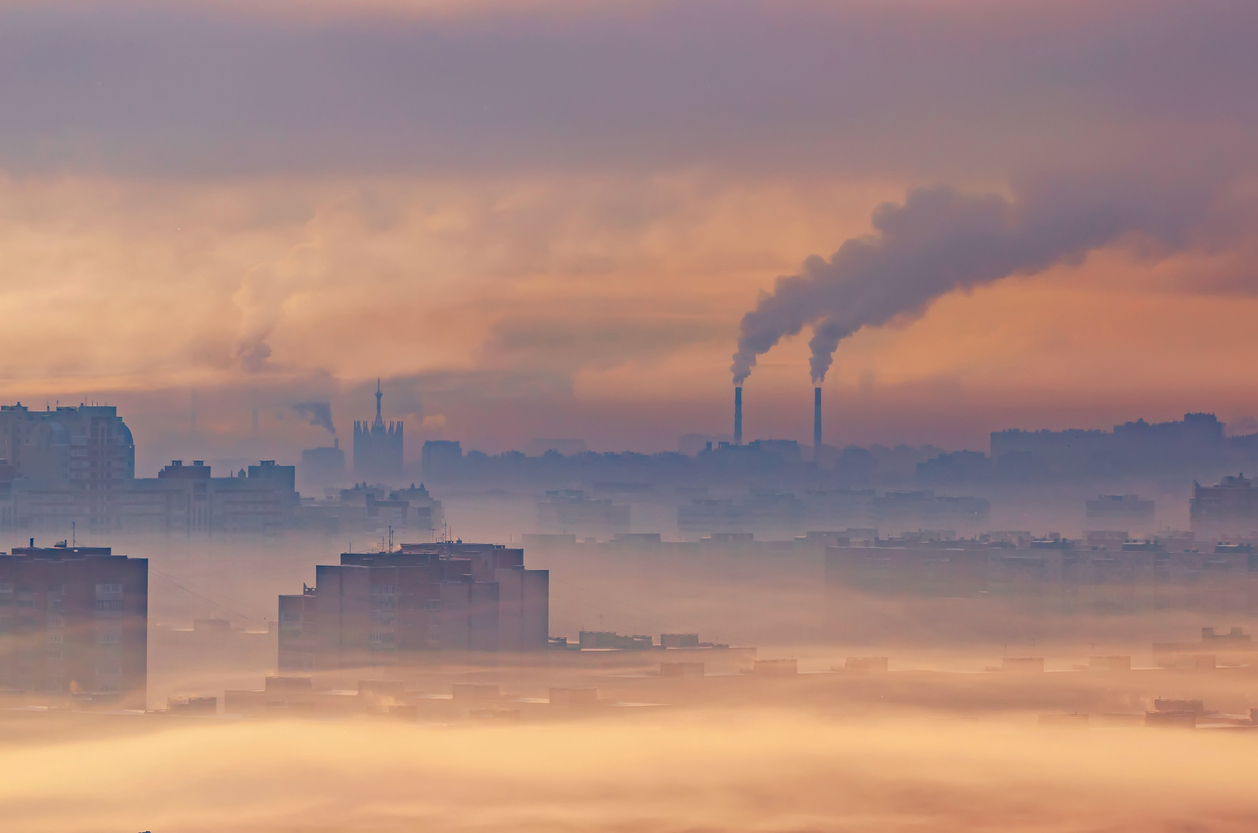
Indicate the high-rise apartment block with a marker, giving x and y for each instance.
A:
(73, 620)
(88, 447)
(71, 455)
(74, 468)
(391, 608)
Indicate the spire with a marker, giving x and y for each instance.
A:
(379, 419)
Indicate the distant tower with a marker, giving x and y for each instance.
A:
(738, 415)
(378, 447)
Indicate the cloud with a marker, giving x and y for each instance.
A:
(847, 87)
(600, 341)
(750, 771)
(263, 293)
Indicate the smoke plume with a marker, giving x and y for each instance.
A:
(939, 241)
(319, 413)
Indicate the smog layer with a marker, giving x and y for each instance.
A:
(725, 415)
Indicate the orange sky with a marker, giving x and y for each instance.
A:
(525, 256)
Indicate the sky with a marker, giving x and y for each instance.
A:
(549, 218)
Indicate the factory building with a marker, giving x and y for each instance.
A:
(73, 620)
(391, 608)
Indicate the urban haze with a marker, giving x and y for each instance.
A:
(718, 415)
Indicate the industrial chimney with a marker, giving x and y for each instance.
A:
(816, 423)
(738, 415)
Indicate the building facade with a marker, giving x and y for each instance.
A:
(391, 608)
(410, 511)
(440, 458)
(68, 469)
(74, 620)
(323, 466)
(69, 456)
(378, 448)
(1226, 509)
(1131, 447)
(181, 499)
(1106, 572)
(88, 446)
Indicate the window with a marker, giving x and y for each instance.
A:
(108, 591)
(432, 604)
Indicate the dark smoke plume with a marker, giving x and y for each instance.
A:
(939, 241)
(319, 413)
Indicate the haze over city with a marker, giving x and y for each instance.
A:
(551, 415)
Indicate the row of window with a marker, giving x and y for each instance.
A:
(28, 591)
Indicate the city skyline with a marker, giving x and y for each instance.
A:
(224, 423)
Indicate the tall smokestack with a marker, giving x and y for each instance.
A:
(816, 422)
(738, 415)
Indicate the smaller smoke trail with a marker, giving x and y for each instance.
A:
(319, 413)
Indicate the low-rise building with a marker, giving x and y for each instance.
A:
(410, 511)
(1120, 507)
(987, 566)
(572, 509)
